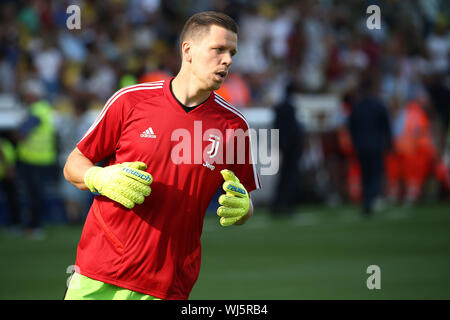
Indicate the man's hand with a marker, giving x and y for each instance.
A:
(125, 183)
(235, 203)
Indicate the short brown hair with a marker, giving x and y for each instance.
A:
(201, 21)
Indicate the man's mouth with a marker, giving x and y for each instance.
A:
(222, 74)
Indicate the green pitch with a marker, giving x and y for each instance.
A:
(322, 253)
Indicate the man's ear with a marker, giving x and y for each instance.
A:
(186, 50)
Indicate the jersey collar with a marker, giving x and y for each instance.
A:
(176, 105)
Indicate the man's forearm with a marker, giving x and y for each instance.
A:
(76, 166)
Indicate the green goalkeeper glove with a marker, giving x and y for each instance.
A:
(125, 183)
(235, 203)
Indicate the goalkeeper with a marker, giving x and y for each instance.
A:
(141, 238)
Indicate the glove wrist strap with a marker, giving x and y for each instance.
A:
(89, 177)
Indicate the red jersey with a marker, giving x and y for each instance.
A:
(154, 248)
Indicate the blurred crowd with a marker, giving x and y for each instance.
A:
(312, 47)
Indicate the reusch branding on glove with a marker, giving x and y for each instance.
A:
(236, 189)
(145, 177)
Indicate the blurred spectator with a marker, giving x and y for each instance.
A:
(291, 140)
(438, 48)
(7, 75)
(369, 127)
(235, 90)
(71, 128)
(440, 96)
(8, 183)
(36, 152)
(352, 168)
(48, 62)
(411, 162)
(154, 76)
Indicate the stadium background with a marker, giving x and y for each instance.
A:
(323, 47)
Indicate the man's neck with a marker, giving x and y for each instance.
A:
(186, 90)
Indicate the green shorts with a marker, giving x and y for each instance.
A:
(84, 288)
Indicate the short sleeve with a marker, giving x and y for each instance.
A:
(101, 139)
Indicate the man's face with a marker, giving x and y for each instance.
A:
(211, 56)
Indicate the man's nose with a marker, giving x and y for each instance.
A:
(227, 59)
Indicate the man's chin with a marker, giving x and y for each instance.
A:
(216, 85)
(212, 85)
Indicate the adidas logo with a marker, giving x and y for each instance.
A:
(148, 133)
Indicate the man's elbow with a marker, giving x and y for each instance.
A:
(66, 172)
(74, 169)
(67, 167)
